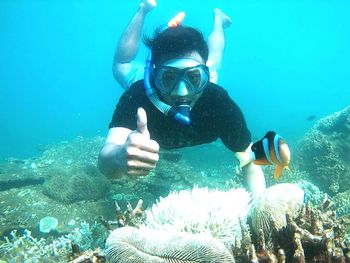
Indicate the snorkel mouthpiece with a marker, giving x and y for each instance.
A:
(183, 114)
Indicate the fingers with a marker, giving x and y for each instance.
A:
(136, 156)
(139, 141)
(142, 122)
(140, 162)
(141, 154)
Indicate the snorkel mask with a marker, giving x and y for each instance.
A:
(182, 77)
(193, 74)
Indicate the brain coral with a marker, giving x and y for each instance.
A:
(77, 184)
(324, 152)
(128, 244)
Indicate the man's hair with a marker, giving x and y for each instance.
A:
(176, 41)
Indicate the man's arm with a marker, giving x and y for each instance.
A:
(130, 152)
(254, 176)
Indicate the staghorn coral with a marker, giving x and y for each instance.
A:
(131, 217)
(128, 244)
(323, 152)
(316, 235)
(89, 256)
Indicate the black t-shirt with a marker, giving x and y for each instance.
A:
(215, 115)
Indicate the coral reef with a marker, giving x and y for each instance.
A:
(312, 193)
(324, 152)
(308, 234)
(342, 203)
(79, 183)
(24, 204)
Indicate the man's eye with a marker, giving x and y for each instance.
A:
(194, 77)
(169, 78)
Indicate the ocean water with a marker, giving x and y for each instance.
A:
(285, 64)
(284, 61)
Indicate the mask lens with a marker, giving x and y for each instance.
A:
(195, 78)
(168, 79)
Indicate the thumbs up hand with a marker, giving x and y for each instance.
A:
(141, 152)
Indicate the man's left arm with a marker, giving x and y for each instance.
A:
(255, 178)
(253, 174)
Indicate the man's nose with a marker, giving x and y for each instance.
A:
(180, 89)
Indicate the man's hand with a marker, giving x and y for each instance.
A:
(141, 153)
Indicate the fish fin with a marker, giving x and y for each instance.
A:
(177, 20)
(278, 172)
(244, 158)
(287, 167)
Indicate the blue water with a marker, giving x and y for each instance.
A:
(284, 61)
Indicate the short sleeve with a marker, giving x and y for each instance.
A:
(125, 113)
(233, 129)
(135, 74)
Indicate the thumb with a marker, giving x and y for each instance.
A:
(142, 122)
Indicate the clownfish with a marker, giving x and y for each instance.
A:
(272, 149)
(177, 20)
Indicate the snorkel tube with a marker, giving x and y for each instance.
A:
(180, 113)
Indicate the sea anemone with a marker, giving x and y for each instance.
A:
(201, 210)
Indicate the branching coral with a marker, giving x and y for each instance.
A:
(316, 235)
(26, 248)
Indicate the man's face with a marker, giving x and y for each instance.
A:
(182, 80)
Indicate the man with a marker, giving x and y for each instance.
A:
(183, 109)
(126, 71)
